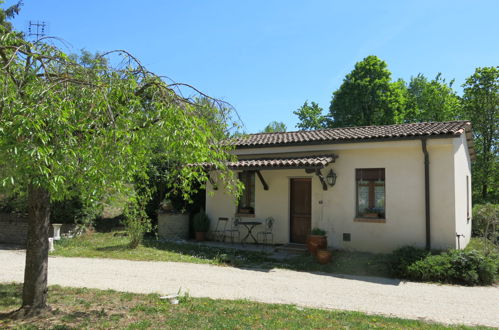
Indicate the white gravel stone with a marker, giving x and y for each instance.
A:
(440, 303)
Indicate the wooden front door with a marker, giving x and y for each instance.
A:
(300, 209)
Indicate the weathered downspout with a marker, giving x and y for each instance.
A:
(427, 192)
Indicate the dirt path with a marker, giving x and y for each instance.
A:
(440, 303)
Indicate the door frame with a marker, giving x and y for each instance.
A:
(290, 179)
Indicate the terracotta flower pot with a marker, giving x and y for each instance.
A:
(200, 236)
(313, 247)
(315, 242)
(324, 256)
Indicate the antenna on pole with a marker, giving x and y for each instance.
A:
(36, 29)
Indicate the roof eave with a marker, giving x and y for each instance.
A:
(341, 141)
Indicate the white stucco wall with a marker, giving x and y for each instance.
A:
(334, 209)
(462, 169)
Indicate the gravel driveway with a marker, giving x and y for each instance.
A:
(440, 303)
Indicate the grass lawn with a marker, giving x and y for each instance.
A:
(90, 308)
(114, 245)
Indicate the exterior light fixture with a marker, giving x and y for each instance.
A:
(331, 178)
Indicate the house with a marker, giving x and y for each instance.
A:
(372, 188)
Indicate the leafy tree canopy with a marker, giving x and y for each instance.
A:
(68, 125)
(311, 117)
(275, 126)
(431, 100)
(367, 96)
(9, 13)
(481, 106)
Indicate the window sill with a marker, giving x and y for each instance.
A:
(245, 215)
(373, 220)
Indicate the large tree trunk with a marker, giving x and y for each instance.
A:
(35, 273)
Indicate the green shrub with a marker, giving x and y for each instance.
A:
(75, 211)
(484, 216)
(201, 222)
(405, 256)
(455, 266)
(136, 223)
(13, 204)
(484, 246)
(318, 231)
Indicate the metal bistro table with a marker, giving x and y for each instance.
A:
(250, 225)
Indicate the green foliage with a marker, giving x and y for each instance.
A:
(68, 126)
(367, 96)
(275, 126)
(7, 14)
(405, 256)
(311, 117)
(456, 266)
(318, 231)
(485, 221)
(75, 210)
(469, 267)
(13, 204)
(95, 61)
(481, 106)
(161, 179)
(136, 222)
(201, 222)
(433, 100)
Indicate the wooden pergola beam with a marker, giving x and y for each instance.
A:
(262, 180)
(321, 178)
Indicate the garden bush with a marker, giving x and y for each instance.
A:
(405, 256)
(455, 266)
(13, 204)
(136, 223)
(73, 210)
(484, 218)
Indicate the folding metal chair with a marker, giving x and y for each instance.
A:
(220, 228)
(234, 230)
(267, 232)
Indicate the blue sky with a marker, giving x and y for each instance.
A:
(267, 57)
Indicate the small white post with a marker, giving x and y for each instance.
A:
(51, 244)
(57, 231)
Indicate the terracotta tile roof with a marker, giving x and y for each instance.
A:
(353, 134)
(292, 162)
(276, 162)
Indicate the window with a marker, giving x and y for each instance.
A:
(247, 201)
(370, 193)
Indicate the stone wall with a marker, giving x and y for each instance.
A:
(173, 226)
(13, 228)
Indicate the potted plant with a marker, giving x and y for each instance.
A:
(374, 212)
(316, 240)
(246, 210)
(201, 224)
(323, 256)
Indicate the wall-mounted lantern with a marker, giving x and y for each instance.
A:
(331, 178)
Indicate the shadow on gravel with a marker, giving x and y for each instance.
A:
(123, 247)
(351, 266)
(12, 247)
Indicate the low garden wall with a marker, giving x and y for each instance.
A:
(14, 228)
(173, 226)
